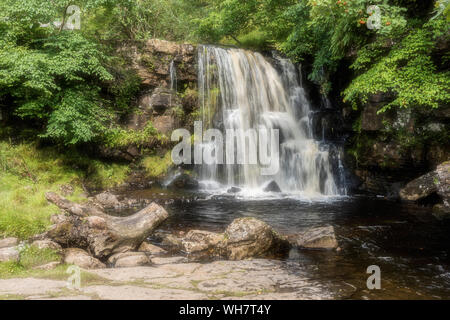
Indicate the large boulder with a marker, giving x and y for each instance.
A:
(437, 181)
(443, 183)
(420, 188)
(250, 237)
(317, 238)
(82, 259)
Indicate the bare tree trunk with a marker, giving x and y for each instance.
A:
(90, 228)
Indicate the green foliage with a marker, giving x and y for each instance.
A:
(50, 75)
(407, 71)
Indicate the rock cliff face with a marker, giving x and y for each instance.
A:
(168, 81)
(388, 150)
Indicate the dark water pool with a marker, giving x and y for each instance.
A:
(409, 245)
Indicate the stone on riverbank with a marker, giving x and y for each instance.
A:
(9, 242)
(9, 254)
(151, 249)
(82, 259)
(47, 244)
(129, 259)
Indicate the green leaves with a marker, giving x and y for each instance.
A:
(51, 75)
(77, 116)
(407, 71)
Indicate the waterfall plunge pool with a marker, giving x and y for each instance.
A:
(409, 245)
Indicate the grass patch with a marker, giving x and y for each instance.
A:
(28, 172)
(32, 257)
(156, 165)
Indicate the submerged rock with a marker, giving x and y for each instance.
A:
(272, 186)
(82, 259)
(317, 238)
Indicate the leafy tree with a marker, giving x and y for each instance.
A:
(50, 75)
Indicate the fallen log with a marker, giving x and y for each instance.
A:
(88, 227)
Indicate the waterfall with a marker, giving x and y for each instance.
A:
(173, 76)
(239, 89)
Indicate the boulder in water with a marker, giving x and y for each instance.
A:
(234, 190)
(183, 181)
(420, 188)
(250, 237)
(443, 183)
(317, 238)
(107, 200)
(272, 186)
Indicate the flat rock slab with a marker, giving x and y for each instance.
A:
(142, 293)
(247, 279)
(30, 286)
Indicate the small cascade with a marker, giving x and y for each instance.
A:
(173, 76)
(240, 90)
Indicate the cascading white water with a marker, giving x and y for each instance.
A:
(239, 89)
(173, 76)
